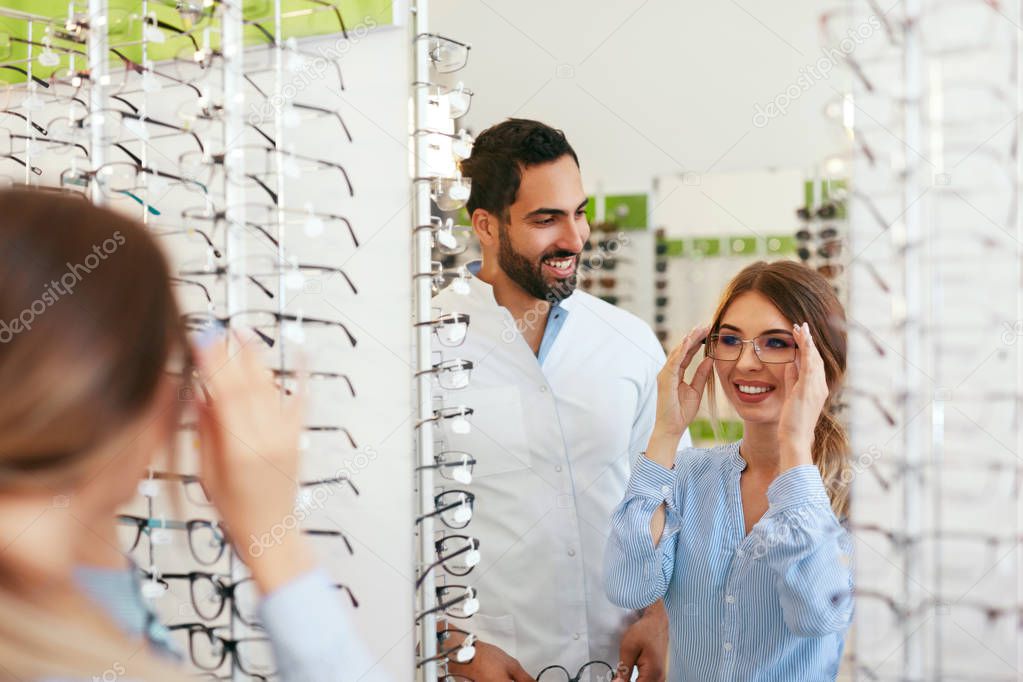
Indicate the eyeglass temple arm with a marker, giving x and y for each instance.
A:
(435, 564)
(440, 510)
(23, 72)
(139, 68)
(36, 170)
(160, 23)
(205, 291)
(440, 608)
(41, 130)
(264, 135)
(331, 533)
(351, 595)
(344, 31)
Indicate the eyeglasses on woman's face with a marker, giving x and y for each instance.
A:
(772, 349)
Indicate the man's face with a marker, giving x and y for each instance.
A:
(541, 242)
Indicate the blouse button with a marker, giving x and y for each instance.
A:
(728, 646)
(730, 599)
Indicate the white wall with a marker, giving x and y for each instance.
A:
(644, 88)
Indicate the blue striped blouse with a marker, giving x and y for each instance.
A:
(773, 605)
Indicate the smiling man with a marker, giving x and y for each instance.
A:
(563, 392)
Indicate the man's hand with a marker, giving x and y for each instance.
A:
(645, 645)
(491, 664)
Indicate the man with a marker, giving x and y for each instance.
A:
(563, 391)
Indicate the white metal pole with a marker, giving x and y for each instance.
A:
(98, 74)
(422, 311)
(232, 47)
(913, 429)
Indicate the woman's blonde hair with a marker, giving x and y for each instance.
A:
(88, 329)
(803, 295)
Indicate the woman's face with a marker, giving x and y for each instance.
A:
(756, 389)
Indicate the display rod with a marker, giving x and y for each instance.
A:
(912, 338)
(96, 31)
(278, 113)
(422, 313)
(234, 196)
(1018, 397)
(144, 149)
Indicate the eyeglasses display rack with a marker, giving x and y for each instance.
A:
(933, 401)
(227, 129)
(444, 544)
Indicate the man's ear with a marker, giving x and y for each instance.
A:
(485, 225)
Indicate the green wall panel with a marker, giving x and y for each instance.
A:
(125, 25)
(702, 431)
(628, 210)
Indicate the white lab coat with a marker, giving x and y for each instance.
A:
(553, 446)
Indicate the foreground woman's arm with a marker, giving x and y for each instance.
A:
(253, 483)
(640, 556)
(799, 537)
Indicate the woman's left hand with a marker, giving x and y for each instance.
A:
(806, 391)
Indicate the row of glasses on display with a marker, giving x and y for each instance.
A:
(661, 284)
(457, 553)
(441, 147)
(596, 272)
(66, 90)
(212, 592)
(961, 128)
(163, 154)
(67, 137)
(445, 147)
(819, 239)
(603, 246)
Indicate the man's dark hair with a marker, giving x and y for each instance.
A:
(501, 152)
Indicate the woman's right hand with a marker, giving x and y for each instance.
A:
(678, 401)
(249, 451)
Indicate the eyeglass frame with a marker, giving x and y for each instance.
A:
(578, 674)
(229, 646)
(712, 338)
(471, 545)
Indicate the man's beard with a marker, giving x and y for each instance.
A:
(529, 275)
